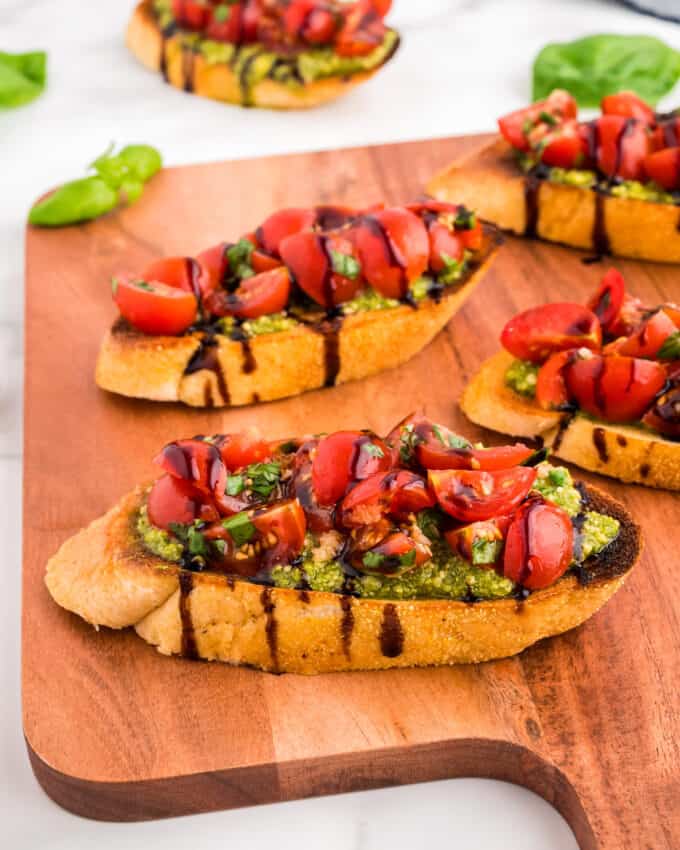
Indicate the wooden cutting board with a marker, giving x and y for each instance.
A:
(589, 720)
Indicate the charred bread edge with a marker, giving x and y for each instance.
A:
(134, 364)
(284, 630)
(146, 41)
(620, 451)
(489, 180)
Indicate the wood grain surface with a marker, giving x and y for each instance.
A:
(589, 720)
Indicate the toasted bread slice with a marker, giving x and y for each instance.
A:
(281, 364)
(219, 81)
(621, 451)
(106, 576)
(489, 181)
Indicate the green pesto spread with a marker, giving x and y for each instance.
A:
(446, 576)
(270, 324)
(521, 377)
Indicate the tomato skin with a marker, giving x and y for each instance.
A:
(608, 300)
(195, 461)
(472, 237)
(614, 388)
(663, 167)
(622, 145)
(173, 500)
(461, 540)
(320, 518)
(473, 495)
(443, 241)
(362, 30)
(154, 308)
(398, 493)
(664, 416)
(540, 331)
(286, 521)
(281, 224)
(628, 104)
(344, 457)
(649, 337)
(673, 313)
(191, 13)
(392, 548)
(563, 146)
(539, 545)
(551, 387)
(230, 29)
(243, 448)
(307, 255)
(264, 293)
(214, 265)
(393, 248)
(178, 272)
(560, 105)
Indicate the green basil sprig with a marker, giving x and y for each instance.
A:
(118, 178)
(598, 65)
(23, 77)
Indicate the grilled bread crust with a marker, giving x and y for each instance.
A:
(217, 80)
(277, 365)
(106, 576)
(489, 181)
(621, 451)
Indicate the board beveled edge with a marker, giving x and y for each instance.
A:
(338, 774)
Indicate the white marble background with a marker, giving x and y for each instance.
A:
(463, 62)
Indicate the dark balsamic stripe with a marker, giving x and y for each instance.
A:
(346, 624)
(391, 632)
(186, 585)
(271, 626)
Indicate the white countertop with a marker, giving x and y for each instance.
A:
(454, 74)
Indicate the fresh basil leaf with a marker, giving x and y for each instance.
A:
(408, 559)
(78, 200)
(408, 441)
(345, 265)
(429, 521)
(598, 65)
(457, 442)
(485, 551)
(196, 542)
(239, 256)
(23, 77)
(372, 560)
(235, 485)
(437, 431)
(263, 478)
(240, 528)
(670, 350)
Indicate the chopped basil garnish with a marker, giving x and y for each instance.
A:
(221, 13)
(429, 521)
(485, 551)
(345, 265)
(558, 477)
(437, 431)
(235, 485)
(670, 350)
(408, 559)
(373, 559)
(407, 443)
(547, 118)
(191, 537)
(465, 219)
(239, 256)
(220, 545)
(263, 478)
(372, 450)
(240, 528)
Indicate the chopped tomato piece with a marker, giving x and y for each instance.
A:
(214, 265)
(178, 272)
(617, 389)
(243, 448)
(622, 145)
(539, 545)
(649, 337)
(562, 146)
(398, 493)
(472, 495)
(267, 292)
(193, 14)
(486, 535)
(472, 237)
(320, 518)
(344, 457)
(628, 104)
(195, 461)
(555, 109)
(663, 167)
(225, 23)
(393, 248)
(664, 416)
(172, 500)
(445, 245)
(608, 300)
(313, 259)
(673, 312)
(395, 555)
(551, 387)
(363, 29)
(285, 522)
(282, 224)
(154, 308)
(540, 331)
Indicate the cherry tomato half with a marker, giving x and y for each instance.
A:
(663, 167)
(649, 337)
(243, 448)
(608, 300)
(195, 461)
(344, 457)
(178, 272)
(396, 554)
(273, 230)
(539, 545)
(622, 145)
(628, 104)
(267, 292)
(214, 264)
(551, 387)
(154, 308)
(311, 258)
(462, 540)
(559, 106)
(617, 389)
(363, 29)
(664, 416)
(540, 331)
(173, 500)
(398, 493)
(472, 495)
(193, 14)
(563, 146)
(393, 248)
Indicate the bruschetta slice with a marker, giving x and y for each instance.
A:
(610, 186)
(263, 53)
(599, 385)
(311, 298)
(347, 551)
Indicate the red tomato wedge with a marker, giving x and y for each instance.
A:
(462, 540)
(559, 106)
(622, 145)
(663, 167)
(539, 545)
(344, 457)
(243, 448)
(267, 292)
(282, 224)
(312, 257)
(538, 332)
(154, 308)
(551, 387)
(393, 248)
(649, 337)
(213, 265)
(193, 14)
(664, 416)
(395, 555)
(473, 495)
(628, 104)
(617, 389)
(608, 300)
(445, 244)
(179, 272)
(173, 500)
(195, 461)
(563, 146)
(363, 29)
(398, 493)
